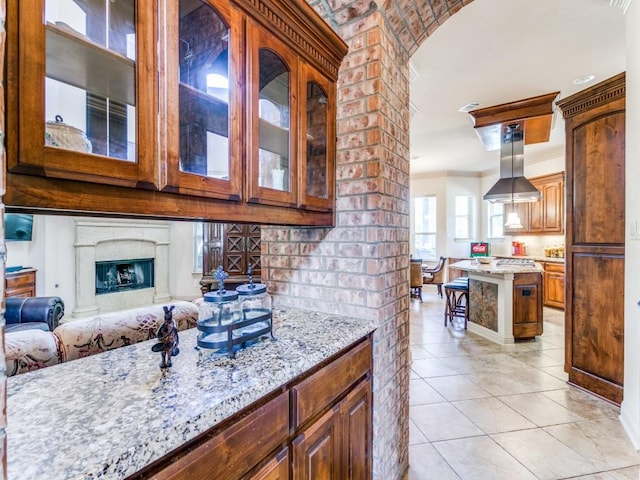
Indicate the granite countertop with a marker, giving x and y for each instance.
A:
(494, 268)
(111, 414)
(537, 258)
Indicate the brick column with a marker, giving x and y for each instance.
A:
(360, 267)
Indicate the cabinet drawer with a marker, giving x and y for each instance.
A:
(554, 267)
(233, 452)
(21, 280)
(313, 394)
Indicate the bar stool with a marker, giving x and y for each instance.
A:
(457, 303)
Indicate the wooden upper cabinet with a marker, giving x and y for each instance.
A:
(85, 91)
(547, 214)
(204, 41)
(221, 110)
(317, 148)
(272, 107)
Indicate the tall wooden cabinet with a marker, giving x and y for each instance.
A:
(220, 110)
(235, 247)
(595, 237)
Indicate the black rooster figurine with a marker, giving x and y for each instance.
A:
(168, 338)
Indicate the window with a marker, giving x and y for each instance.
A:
(463, 216)
(496, 220)
(198, 246)
(425, 227)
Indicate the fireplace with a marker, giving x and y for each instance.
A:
(121, 275)
(120, 265)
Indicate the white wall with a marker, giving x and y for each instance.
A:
(630, 411)
(52, 253)
(184, 281)
(445, 188)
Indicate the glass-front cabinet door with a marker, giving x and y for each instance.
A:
(204, 45)
(272, 120)
(93, 92)
(317, 140)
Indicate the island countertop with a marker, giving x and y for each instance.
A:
(495, 268)
(111, 414)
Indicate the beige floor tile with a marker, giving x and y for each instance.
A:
(442, 421)
(498, 383)
(425, 463)
(584, 404)
(540, 380)
(544, 455)
(480, 458)
(421, 393)
(432, 367)
(493, 416)
(416, 437)
(457, 387)
(443, 350)
(552, 430)
(631, 473)
(602, 441)
(418, 353)
(556, 371)
(535, 359)
(540, 410)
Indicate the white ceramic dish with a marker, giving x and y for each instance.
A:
(484, 260)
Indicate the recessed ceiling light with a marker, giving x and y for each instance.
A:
(583, 80)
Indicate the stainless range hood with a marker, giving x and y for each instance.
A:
(512, 186)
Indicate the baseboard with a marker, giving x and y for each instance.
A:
(630, 426)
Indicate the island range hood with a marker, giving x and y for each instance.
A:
(512, 187)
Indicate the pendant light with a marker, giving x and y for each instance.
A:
(513, 220)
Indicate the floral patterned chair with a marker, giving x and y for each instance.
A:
(102, 332)
(27, 350)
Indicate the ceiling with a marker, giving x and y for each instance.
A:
(500, 51)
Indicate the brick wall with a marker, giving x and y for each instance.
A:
(360, 267)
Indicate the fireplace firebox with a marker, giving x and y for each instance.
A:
(121, 275)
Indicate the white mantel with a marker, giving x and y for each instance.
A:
(105, 240)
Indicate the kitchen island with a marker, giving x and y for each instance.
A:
(505, 299)
(116, 413)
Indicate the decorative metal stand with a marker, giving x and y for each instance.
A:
(222, 333)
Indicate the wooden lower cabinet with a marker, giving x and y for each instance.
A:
(318, 427)
(553, 285)
(277, 468)
(527, 305)
(316, 451)
(338, 445)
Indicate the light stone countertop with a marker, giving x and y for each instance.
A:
(494, 268)
(109, 415)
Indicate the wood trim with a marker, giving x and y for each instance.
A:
(301, 27)
(49, 196)
(600, 94)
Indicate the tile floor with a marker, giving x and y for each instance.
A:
(483, 411)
